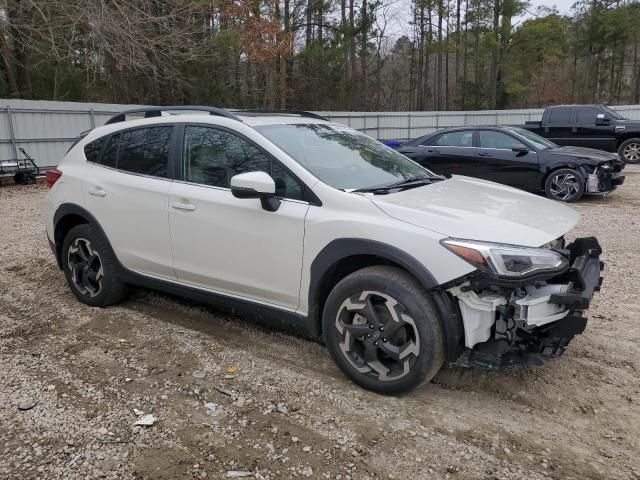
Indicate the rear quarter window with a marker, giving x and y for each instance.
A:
(93, 149)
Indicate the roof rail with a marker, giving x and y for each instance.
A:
(157, 112)
(302, 113)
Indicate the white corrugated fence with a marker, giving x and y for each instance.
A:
(46, 129)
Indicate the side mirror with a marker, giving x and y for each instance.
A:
(520, 149)
(256, 185)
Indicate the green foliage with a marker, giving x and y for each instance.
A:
(245, 54)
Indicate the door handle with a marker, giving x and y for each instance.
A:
(183, 206)
(97, 192)
(483, 154)
(432, 150)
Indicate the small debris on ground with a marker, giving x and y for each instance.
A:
(27, 405)
(146, 421)
(238, 474)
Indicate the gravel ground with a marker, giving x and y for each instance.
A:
(229, 396)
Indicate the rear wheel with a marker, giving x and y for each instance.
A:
(629, 150)
(91, 268)
(565, 185)
(382, 330)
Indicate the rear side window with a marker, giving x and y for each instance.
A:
(145, 151)
(560, 116)
(456, 139)
(92, 150)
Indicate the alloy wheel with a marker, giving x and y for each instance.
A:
(86, 267)
(631, 152)
(565, 186)
(377, 335)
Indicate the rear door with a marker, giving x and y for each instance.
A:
(127, 190)
(505, 159)
(594, 132)
(449, 152)
(558, 125)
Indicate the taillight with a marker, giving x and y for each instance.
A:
(52, 176)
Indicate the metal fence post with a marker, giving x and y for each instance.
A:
(12, 132)
(437, 120)
(409, 126)
(93, 118)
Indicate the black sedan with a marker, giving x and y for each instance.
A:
(518, 158)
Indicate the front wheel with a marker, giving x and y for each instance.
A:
(383, 330)
(629, 150)
(565, 185)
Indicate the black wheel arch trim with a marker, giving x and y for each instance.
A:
(343, 248)
(64, 210)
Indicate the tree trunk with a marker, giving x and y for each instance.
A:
(493, 72)
(352, 40)
(457, 66)
(465, 57)
(363, 53)
(420, 72)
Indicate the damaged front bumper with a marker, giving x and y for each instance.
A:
(604, 178)
(517, 323)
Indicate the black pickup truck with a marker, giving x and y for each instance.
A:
(593, 126)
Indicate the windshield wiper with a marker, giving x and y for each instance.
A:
(404, 183)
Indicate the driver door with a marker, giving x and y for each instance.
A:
(499, 162)
(230, 245)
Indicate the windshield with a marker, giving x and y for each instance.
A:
(342, 157)
(613, 113)
(540, 143)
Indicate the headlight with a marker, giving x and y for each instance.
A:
(506, 260)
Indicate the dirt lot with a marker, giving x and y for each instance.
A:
(71, 377)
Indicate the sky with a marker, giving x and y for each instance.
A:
(563, 6)
(399, 10)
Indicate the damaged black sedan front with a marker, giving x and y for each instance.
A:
(518, 158)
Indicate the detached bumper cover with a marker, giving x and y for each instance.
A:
(584, 274)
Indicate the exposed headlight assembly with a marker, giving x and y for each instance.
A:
(507, 260)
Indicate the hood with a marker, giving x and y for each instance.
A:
(469, 208)
(588, 155)
(628, 123)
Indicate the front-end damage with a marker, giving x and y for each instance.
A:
(604, 177)
(527, 322)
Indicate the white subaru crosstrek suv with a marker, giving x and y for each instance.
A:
(291, 216)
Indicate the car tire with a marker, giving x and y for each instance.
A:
(384, 314)
(629, 150)
(90, 267)
(565, 185)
